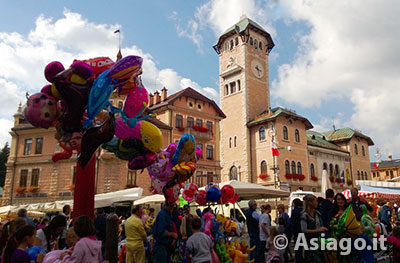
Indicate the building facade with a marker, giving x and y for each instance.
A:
(387, 170)
(252, 126)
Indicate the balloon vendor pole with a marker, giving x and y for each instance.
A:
(85, 189)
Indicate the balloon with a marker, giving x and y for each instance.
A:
(69, 146)
(200, 197)
(34, 251)
(198, 153)
(115, 146)
(126, 68)
(135, 102)
(171, 191)
(52, 69)
(208, 224)
(99, 64)
(94, 137)
(213, 194)
(227, 191)
(158, 186)
(142, 161)
(189, 192)
(209, 185)
(186, 150)
(184, 170)
(161, 169)
(41, 110)
(348, 224)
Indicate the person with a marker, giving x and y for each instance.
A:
(150, 221)
(23, 213)
(16, 246)
(294, 227)
(326, 207)
(49, 235)
(394, 239)
(186, 225)
(9, 229)
(385, 215)
(112, 232)
(264, 227)
(199, 245)
(357, 204)
(164, 235)
(100, 222)
(135, 237)
(252, 221)
(311, 225)
(88, 248)
(282, 213)
(71, 238)
(274, 255)
(43, 223)
(66, 211)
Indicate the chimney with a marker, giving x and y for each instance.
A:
(157, 97)
(163, 94)
(390, 158)
(151, 99)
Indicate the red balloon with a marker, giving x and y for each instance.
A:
(200, 197)
(227, 192)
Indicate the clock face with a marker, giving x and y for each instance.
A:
(257, 68)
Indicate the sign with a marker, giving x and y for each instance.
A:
(284, 184)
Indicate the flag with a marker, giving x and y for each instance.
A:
(376, 165)
(116, 31)
(275, 152)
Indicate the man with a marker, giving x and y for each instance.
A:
(294, 227)
(252, 219)
(186, 225)
(326, 207)
(135, 237)
(112, 231)
(264, 226)
(164, 235)
(385, 215)
(100, 222)
(23, 213)
(282, 213)
(357, 204)
(65, 212)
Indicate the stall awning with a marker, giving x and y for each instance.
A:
(364, 194)
(382, 192)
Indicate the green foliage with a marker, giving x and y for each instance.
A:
(4, 153)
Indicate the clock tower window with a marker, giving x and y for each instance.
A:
(238, 83)
(233, 87)
(226, 90)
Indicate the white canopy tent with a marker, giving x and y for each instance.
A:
(107, 199)
(151, 199)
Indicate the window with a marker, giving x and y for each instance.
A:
(285, 133)
(337, 169)
(331, 170)
(391, 175)
(251, 41)
(297, 135)
(23, 178)
(262, 133)
(234, 142)
(255, 44)
(74, 175)
(38, 145)
(209, 152)
(232, 85)
(210, 126)
(264, 169)
(362, 150)
(200, 146)
(287, 167)
(231, 44)
(226, 90)
(190, 122)
(355, 149)
(199, 122)
(293, 167)
(230, 142)
(233, 175)
(236, 41)
(260, 45)
(199, 178)
(325, 166)
(358, 175)
(238, 82)
(179, 122)
(374, 174)
(362, 175)
(131, 178)
(312, 170)
(387, 174)
(35, 177)
(28, 146)
(299, 170)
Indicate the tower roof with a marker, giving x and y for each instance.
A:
(345, 134)
(275, 113)
(241, 28)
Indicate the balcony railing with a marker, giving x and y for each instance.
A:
(199, 135)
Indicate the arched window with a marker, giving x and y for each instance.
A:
(312, 170)
(293, 167)
(355, 149)
(297, 135)
(362, 150)
(330, 169)
(255, 44)
(233, 173)
(337, 172)
(358, 175)
(362, 175)
(234, 141)
(231, 44)
(325, 166)
(287, 167)
(285, 133)
(264, 168)
(251, 41)
(260, 45)
(262, 133)
(299, 170)
(230, 142)
(226, 90)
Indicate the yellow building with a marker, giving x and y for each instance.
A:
(387, 170)
(252, 126)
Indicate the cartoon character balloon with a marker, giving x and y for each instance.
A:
(189, 191)
(200, 197)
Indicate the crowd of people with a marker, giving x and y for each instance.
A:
(176, 235)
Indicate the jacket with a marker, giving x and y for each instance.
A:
(86, 250)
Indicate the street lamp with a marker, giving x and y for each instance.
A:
(275, 168)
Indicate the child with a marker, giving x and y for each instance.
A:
(88, 248)
(199, 245)
(395, 240)
(71, 238)
(274, 255)
(19, 241)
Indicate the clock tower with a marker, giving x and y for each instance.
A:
(243, 52)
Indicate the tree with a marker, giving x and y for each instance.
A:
(5, 152)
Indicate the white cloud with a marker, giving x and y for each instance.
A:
(24, 57)
(350, 54)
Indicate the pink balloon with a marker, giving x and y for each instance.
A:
(122, 131)
(200, 197)
(135, 100)
(190, 190)
(158, 186)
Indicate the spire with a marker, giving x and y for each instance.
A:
(19, 110)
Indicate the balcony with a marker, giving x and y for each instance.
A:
(206, 135)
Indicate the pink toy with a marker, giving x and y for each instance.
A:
(135, 101)
(41, 110)
(161, 169)
(208, 224)
(200, 197)
(189, 192)
(158, 186)
(199, 153)
(69, 146)
(53, 256)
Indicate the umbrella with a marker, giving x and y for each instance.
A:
(325, 182)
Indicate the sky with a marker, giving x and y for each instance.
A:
(334, 62)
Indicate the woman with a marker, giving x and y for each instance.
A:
(311, 225)
(339, 206)
(49, 235)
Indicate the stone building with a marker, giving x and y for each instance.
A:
(386, 170)
(251, 124)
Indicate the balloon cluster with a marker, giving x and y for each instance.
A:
(77, 104)
(173, 166)
(212, 193)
